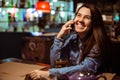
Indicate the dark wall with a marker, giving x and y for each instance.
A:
(116, 58)
(10, 44)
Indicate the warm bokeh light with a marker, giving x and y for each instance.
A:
(43, 6)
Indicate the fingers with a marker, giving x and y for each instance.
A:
(65, 29)
(38, 74)
(68, 27)
(69, 23)
(35, 75)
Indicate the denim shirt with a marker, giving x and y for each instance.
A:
(67, 47)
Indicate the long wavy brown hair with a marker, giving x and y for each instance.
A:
(97, 34)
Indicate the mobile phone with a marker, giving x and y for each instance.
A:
(72, 26)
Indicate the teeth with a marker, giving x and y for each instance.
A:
(79, 24)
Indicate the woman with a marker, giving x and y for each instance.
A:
(85, 48)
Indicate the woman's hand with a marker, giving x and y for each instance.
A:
(39, 74)
(65, 29)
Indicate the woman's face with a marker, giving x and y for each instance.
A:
(83, 20)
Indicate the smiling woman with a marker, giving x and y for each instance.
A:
(85, 49)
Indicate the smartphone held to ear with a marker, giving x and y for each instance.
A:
(72, 26)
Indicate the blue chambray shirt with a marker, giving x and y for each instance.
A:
(64, 48)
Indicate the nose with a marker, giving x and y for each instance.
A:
(80, 19)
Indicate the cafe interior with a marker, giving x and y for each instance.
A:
(28, 28)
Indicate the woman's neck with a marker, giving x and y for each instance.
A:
(82, 36)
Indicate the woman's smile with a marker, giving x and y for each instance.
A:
(80, 24)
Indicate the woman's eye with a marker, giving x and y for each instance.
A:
(87, 17)
(78, 15)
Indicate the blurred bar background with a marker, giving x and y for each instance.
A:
(28, 27)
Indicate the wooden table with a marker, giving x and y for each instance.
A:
(46, 67)
(16, 69)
